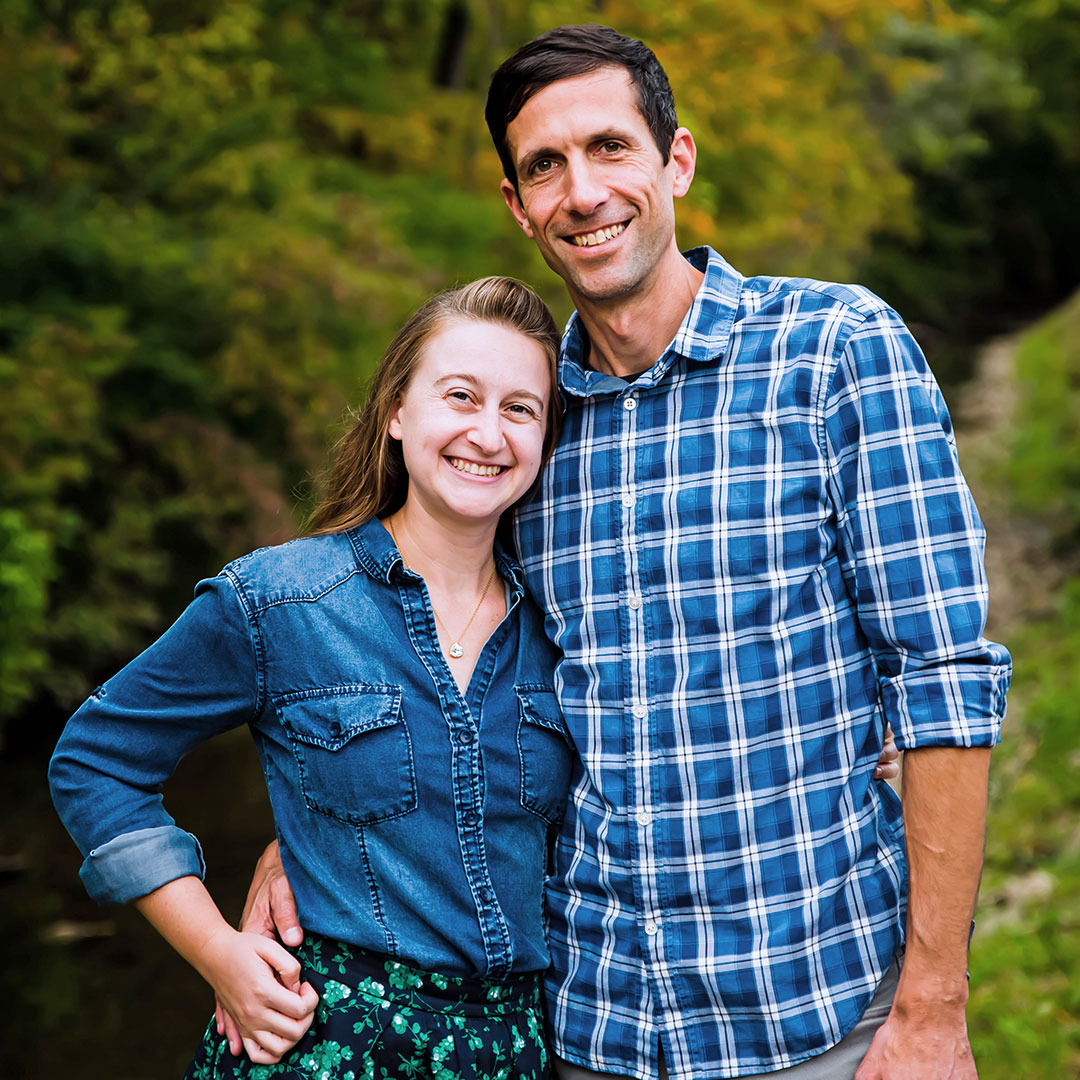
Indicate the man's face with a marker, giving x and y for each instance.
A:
(595, 194)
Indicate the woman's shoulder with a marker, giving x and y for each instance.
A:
(298, 570)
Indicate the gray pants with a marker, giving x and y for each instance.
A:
(838, 1063)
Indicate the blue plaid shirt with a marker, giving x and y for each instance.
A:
(752, 556)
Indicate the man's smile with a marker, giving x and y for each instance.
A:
(599, 236)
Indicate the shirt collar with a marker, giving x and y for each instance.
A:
(378, 556)
(703, 335)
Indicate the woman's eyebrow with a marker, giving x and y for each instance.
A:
(464, 376)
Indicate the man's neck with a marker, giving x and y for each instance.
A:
(627, 335)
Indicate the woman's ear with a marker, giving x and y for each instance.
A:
(393, 426)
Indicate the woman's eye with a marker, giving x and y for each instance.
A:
(521, 410)
(460, 397)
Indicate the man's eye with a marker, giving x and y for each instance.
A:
(611, 147)
(542, 166)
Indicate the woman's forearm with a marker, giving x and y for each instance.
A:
(185, 915)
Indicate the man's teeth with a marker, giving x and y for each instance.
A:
(472, 467)
(598, 237)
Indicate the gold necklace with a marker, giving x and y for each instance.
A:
(455, 650)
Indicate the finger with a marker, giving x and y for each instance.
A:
(283, 911)
(309, 997)
(219, 1021)
(257, 1054)
(231, 1032)
(275, 1044)
(286, 966)
(888, 771)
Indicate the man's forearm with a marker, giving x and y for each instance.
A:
(944, 797)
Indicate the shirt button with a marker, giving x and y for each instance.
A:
(644, 817)
(652, 928)
(629, 403)
(464, 737)
(628, 501)
(634, 602)
(335, 729)
(487, 894)
(471, 818)
(640, 711)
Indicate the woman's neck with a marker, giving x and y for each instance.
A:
(456, 555)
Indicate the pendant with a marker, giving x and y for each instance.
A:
(456, 651)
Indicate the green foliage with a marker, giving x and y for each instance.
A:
(202, 255)
(1025, 1007)
(212, 218)
(988, 130)
(1045, 463)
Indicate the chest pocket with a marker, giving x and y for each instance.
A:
(545, 752)
(353, 752)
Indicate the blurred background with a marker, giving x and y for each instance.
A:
(214, 216)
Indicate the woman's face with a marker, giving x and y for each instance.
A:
(472, 420)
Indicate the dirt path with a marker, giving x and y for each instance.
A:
(1023, 577)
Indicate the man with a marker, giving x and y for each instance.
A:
(754, 547)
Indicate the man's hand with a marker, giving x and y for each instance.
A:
(925, 1035)
(270, 910)
(887, 766)
(930, 1043)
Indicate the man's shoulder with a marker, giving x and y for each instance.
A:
(298, 570)
(764, 293)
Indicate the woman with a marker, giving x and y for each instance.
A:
(398, 685)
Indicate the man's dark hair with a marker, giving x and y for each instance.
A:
(565, 52)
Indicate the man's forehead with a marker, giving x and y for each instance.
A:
(565, 108)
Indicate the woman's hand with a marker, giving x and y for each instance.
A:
(270, 910)
(255, 977)
(257, 984)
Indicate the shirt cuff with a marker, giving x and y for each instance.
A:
(947, 708)
(136, 863)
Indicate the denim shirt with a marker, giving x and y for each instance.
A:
(413, 820)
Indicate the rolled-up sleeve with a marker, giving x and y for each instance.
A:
(911, 541)
(198, 679)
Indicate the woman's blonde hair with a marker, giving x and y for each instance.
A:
(367, 476)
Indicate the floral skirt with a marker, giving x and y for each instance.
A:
(379, 1019)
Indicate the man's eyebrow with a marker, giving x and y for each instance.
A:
(536, 155)
(616, 134)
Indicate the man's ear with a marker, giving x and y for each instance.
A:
(682, 161)
(513, 200)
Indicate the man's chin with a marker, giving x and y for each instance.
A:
(601, 287)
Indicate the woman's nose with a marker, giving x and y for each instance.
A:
(487, 432)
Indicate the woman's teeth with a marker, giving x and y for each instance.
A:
(598, 237)
(476, 470)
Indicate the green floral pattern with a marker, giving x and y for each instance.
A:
(383, 1028)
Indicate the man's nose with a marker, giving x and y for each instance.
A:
(585, 188)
